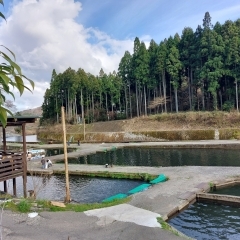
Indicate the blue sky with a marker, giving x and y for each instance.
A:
(157, 18)
(93, 34)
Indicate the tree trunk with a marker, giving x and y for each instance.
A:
(145, 100)
(76, 116)
(189, 91)
(82, 107)
(170, 93)
(126, 101)
(92, 108)
(236, 94)
(140, 99)
(88, 107)
(137, 99)
(176, 99)
(112, 106)
(164, 90)
(203, 98)
(220, 96)
(106, 102)
(130, 101)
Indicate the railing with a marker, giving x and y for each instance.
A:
(11, 166)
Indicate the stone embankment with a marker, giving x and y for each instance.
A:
(142, 136)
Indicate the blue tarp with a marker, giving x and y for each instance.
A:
(139, 188)
(117, 196)
(160, 178)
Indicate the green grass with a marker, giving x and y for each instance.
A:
(166, 226)
(24, 205)
(88, 206)
(116, 175)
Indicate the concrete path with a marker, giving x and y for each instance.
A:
(124, 221)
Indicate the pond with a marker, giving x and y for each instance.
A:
(209, 221)
(57, 151)
(82, 189)
(233, 190)
(165, 157)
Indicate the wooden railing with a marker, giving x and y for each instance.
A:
(11, 166)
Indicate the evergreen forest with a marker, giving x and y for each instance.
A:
(197, 71)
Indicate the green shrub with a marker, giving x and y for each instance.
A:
(24, 206)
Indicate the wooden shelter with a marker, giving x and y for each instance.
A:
(14, 164)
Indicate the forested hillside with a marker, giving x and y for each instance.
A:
(197, 71)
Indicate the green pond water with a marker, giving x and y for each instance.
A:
(152, 156)
(233, 190)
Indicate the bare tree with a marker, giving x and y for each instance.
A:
(10, 105)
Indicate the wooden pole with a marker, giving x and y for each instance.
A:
(24, 158)
(67, 198)
(5, 186)
(4, 139)
(14, 187)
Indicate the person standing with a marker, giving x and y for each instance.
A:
(49, 163)
(43, 161)
(29, 156)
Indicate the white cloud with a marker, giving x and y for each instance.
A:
(45, 35)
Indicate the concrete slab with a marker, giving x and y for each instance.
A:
(125, 213)
(186, 195)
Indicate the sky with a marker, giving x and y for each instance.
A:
(93, 34)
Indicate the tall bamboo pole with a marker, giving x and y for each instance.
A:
(24, 160)
(67, 198)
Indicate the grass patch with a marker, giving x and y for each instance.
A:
(166, 226)
(116, 175)
(89, 206)
(25, 205)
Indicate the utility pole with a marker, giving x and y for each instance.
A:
(67, 198)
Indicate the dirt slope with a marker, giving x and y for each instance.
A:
(168, 122)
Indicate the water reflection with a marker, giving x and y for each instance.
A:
(209, 221)
(82, 189)
(163, 157)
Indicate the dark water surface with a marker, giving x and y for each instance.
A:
(209, 221)
(233, 190)
(57, 151)
(147, 156)
(82, 189)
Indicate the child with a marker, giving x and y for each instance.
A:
(49, 162)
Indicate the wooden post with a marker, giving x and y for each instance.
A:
(24, 159)
(14, 187)
(5, 186)
(4, 139)
(67, 198)
(4, 149)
